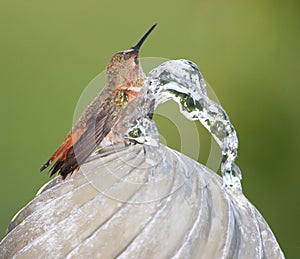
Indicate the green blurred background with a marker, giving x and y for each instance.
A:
(247, 51)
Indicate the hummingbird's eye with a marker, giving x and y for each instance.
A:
(136, 60)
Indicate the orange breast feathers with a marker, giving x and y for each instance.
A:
(131, 94)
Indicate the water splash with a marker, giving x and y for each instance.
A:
(181, 81)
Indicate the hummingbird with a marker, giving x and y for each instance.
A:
(125, 77)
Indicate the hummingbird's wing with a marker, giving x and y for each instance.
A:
(71, 156)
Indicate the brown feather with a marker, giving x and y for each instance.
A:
(71, 156)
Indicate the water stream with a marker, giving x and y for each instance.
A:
(181, 81)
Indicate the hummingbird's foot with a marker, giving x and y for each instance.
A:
(130, 141)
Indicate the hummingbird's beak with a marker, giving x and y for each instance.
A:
(139, 44)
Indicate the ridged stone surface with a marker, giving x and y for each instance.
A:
(139, 202)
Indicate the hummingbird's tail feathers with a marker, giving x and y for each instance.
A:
(67, 143)
(57, 154)
(44, 166)
(71, 155)
(65, 166)
(58, 164)
(61, 152)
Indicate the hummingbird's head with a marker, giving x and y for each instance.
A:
(125, 67)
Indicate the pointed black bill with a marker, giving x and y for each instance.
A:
(139, 44)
